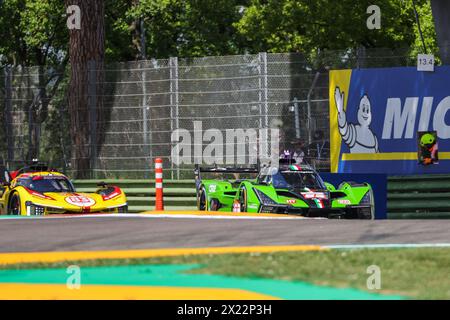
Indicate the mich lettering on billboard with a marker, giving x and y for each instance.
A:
(376, 116)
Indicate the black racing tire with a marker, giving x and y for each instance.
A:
(201, 199)
(365, 214)
(372, 213)
(368, 213)
(123, 209)
(243, 199)
(214, 205)
(14, 207)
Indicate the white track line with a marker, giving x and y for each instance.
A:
(171, 216)
(221, 217)
(388, 245)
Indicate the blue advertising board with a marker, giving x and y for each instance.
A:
(376, 114)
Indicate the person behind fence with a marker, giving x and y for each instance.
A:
(295, 152)
(319, 148)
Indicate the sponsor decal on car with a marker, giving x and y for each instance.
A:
(80, 201)
(314, 195)
(344, 201)
(291, 201)
(319, 203)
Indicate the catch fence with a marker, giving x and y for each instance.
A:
(144, 102)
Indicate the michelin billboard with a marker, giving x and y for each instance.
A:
(376, 114)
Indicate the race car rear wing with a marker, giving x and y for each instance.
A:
(198, 170)
(255, 169)
(33, 166)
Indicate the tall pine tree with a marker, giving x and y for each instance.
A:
(86, 52)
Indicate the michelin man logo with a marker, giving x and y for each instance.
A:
(358, 137)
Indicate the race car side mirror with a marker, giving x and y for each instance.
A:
(7, 177)
(102, 184)
(330, 187)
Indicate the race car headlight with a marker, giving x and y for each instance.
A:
(263, 198)
(34, 210)
(367, 199)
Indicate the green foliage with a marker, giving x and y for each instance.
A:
(118, 44)
(305, 26)
(33, 31)
(429, 33)
(11, 46)
(190, 28)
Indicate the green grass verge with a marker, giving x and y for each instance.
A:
(417, 273)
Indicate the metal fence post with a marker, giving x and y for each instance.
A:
(297, 119)
(172, 111)
(313, 85)
(31, 125)
(144, 107)
(174, 103)
(361, 57)
(92, 106)
(263, 86)
(8, 118)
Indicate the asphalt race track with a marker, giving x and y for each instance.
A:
(111, 233)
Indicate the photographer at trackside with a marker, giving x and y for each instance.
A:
(294, 153)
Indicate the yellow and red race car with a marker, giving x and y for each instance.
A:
(37, 190)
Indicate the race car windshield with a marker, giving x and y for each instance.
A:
(297, 180)
(45, 184)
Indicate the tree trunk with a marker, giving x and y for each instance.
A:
(86, 51)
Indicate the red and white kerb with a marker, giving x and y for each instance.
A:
(159, 201)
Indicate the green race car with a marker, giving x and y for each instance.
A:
(287, 189)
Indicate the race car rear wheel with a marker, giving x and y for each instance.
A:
(368, 213)
(14, 205)
(201, 199)
(243, 199)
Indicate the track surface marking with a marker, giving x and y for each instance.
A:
(123, 233)
(20, 291)
(47, 257)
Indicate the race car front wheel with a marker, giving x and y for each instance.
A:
(201, 199)
(14, 205)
